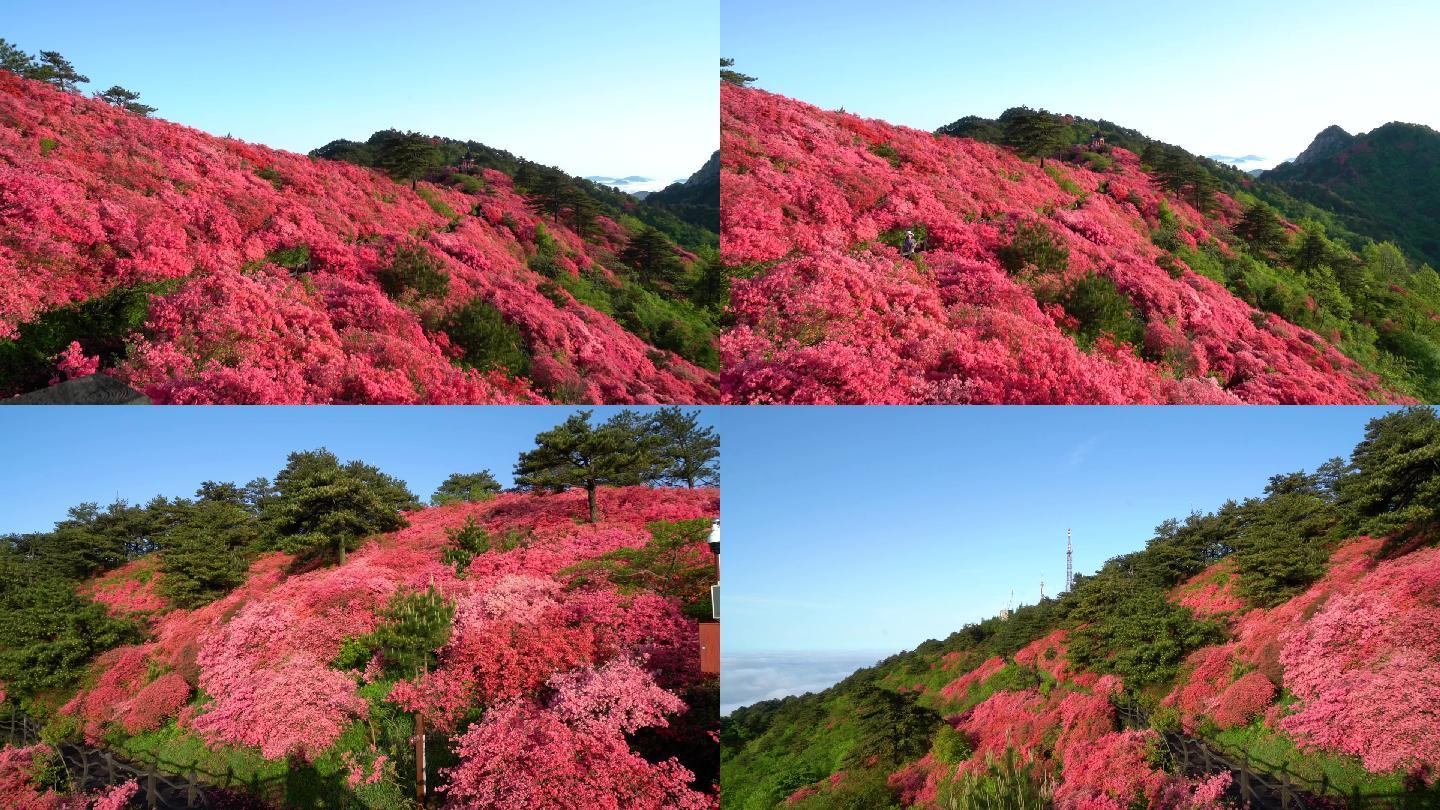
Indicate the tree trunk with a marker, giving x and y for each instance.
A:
(590, 496)
(341, 548)
(420, 759)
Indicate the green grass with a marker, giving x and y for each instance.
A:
(1063, 180)
(436, 204)
(47, 145)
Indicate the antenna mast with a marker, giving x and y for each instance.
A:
(1069, 567)
(1042, 587)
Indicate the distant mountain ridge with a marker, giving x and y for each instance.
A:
(1384, 184)
(697, 199)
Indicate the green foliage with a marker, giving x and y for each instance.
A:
(48, 633)
(886, 151)
(1064, 182)
(733, 76)
(1262, 228)
(466, 487)
(322, 505)
(1142, 637)
(1033, 132)
(465, 544)
(413, 274)
(951, 746)
(407, 156)
(674, 564)
(101, 325)
(652, 257)
(412, 627)
(1033, 247)
(667, 323)
(1101, 309)
(1395, 486)
(291, 258)
(271, 176)
(687, 451)
(891, 728)
(436, 204)
(1283, 544)
(47, 145)
(206, 555)
(489, 342)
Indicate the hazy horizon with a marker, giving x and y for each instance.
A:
(1232, 80)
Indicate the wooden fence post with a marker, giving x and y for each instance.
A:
(1285, 787)
(1246, 794)
(151, 797)
(84, 769)
(190, 789)
(109, 769)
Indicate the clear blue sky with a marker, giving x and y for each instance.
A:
(608, 87)
(56, 457)
(1230, 77)
(878, 528)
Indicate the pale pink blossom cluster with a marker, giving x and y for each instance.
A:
(828, 314)
(94, 199)
(1366, 668)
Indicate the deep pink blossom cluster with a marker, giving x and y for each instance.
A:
(1112, 772)
(93, 199)
(1212, 591)
(958, 688)
(130, 589)
(1367, 668)
(571, 752)
(1047, 654)
(832, 315)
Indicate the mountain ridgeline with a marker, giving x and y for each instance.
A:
(669, 211)
(1384, 184)
(1284, 629)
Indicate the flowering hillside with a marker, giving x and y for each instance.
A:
(1285, 631)
(1033, 285)
(296, 679)
(241, 274)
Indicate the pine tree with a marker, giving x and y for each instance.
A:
(688, 451)
(206, 556)
(733, 76)
(652, 257)
(408, 156)
(1262, 227)
(15, 60)
(468, 487)
(575, 454)
(1034, 133)
(126, 100)
(57, 70)
(321, 504)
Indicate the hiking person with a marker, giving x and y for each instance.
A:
(907, 248)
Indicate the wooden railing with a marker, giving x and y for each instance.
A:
(163, 785)
(1263, 785)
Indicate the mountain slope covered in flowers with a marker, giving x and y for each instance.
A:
(1280, 629)
(200, 269)
(1082, 281)
(295, 683)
